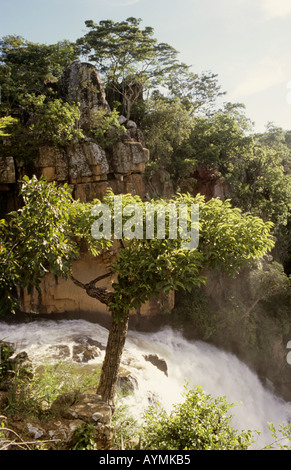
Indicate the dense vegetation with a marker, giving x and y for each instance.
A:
(177, 109)
(186, 129)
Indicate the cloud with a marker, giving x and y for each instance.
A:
(276, 8)
(267, 73)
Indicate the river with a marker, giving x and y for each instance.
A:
(218, 372)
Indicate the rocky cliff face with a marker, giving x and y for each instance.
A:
(85, 165)
(90, 171)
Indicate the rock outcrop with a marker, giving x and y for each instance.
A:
(88, 168)
(69, 416)
(81, 83)
(90, 171)
(206, 181)
(157, 362)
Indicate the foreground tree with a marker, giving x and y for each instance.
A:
(44, 236)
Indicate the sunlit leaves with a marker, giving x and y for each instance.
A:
(200, 422)
(5, 122)
(35, 239)
(45, 234)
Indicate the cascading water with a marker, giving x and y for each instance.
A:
(219, 373)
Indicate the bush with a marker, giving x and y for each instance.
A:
(201, 422)
(105, 128)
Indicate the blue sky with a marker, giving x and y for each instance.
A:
(246, 42)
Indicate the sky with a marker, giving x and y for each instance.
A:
(245, 42)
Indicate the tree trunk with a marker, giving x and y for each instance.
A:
(110, 368)
(115, 344)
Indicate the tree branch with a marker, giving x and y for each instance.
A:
(100, 293)
(99, 278)
(78, 283)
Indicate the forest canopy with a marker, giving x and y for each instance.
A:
(181, 113)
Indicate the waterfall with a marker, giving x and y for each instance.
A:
(219, 373)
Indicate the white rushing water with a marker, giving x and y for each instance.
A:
(219, 373)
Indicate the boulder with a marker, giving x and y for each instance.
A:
(81, 83)
(77, 163)
(86, 409)
(158, 362)
(126, 383)
(89, 408)
(128, 156)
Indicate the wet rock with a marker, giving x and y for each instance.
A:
(86, 340)
(86, 349)
(84, 354)
(60, 351)
(158, 362)
(127, 383)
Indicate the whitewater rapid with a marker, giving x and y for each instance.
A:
(219, 373)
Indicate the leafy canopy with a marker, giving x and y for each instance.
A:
(126, 54)
(43, 237)
(27, 67)
(123, 49)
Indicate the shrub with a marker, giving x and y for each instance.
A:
(201, 422)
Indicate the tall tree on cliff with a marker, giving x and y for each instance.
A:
(43, 236)
(131, 62)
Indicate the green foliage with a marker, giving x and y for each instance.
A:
(200, 422)
(54, 122)
(6, 351)
(166, 126)
(27, 67)
(195, 311)
(127, 55)
(125, 426)
(197, 93)
(35, 240)
(146, 266)
(282, 437)
(105, 128)
(221, 137)
(51, 380)
(255, 169)
(5, 122)
(123, 49)
(259, 184)
(269, 280)
(28, 73)
(84, 438)
(35, 395)
(42, 237)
